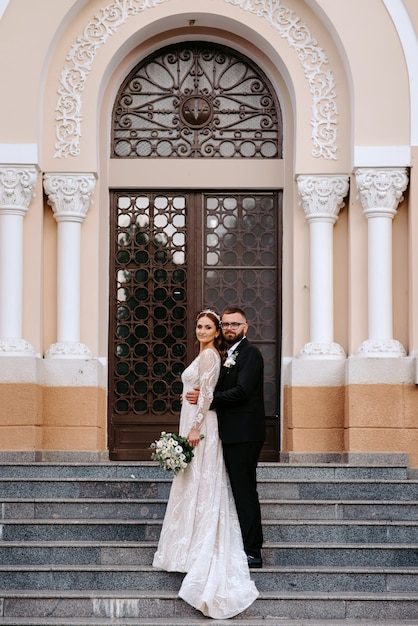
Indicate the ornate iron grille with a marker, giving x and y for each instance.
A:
(149, 339)
(196, 100)
(242, 267)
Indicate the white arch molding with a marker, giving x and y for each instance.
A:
(3, 7)
(409, 43)
(290, 27)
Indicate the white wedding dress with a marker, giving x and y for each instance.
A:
(201, 533)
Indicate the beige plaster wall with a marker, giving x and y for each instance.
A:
(221, 21)
(354, 418)
(371, 83)
(27, 33)
(33, 417)
(63, 428)
(412, 8)
(20, 416)
(166, 20)
(382, 418)
(375, 67)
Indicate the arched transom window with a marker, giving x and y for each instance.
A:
(196, 100)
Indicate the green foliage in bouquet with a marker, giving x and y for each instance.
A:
(172, 452)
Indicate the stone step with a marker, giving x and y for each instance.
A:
(290, 489)
(81, 509)
(340, 509)
(135, 508)
(341, 546)
(172, 621)
(150, 470)
(140, 554)
(142, 605)
(340, 531)
(146, 578)
(325, 531)
(360, 555)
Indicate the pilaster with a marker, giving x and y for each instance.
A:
(322, 197)
(380, 192)
(70, 196)
(16, 192)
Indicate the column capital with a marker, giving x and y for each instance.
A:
(69, 195)
(17, 183)
(322, 196)
(381, 189)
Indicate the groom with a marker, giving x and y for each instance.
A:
(239, 402)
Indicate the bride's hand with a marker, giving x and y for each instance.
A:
(193, 437)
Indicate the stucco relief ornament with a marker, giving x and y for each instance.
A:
(16, 347)
(82, 53)
(381, 190)
(322, 197)
(69, 195)
(314, 62)
(331, 350)
(79, 64)
(381, 348)
(68, 349)
(16, 189)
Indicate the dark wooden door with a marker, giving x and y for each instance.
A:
(173, 253)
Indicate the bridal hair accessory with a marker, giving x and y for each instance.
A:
(218, 317)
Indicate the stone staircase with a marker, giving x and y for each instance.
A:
(77, 540)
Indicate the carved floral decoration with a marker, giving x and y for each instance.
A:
(289, 26)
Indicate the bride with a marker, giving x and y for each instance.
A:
(201, 534)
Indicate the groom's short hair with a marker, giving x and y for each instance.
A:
(234, 309)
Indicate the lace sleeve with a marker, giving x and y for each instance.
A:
(209, 367)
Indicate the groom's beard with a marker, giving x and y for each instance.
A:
(231, 339)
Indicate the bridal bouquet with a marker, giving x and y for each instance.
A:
(172, 452)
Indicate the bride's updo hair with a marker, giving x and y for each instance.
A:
(216, 319)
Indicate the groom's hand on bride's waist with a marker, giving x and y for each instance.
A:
(193, 395)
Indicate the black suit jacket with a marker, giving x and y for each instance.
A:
(239, 397)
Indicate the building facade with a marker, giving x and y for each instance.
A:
(160, 156)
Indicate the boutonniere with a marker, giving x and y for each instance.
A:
(231, 360)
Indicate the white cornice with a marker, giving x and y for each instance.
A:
(382, 156)
(18, 153)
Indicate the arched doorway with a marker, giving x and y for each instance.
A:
(174, 251)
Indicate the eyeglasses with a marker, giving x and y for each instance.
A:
(233, 325)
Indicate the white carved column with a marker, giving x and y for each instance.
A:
(69, 195)
(321, 199)
(380, 191)
(16, 192)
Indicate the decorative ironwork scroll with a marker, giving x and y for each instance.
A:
(196, 100)
(241, 267)
(149, 337)
(81, 56)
